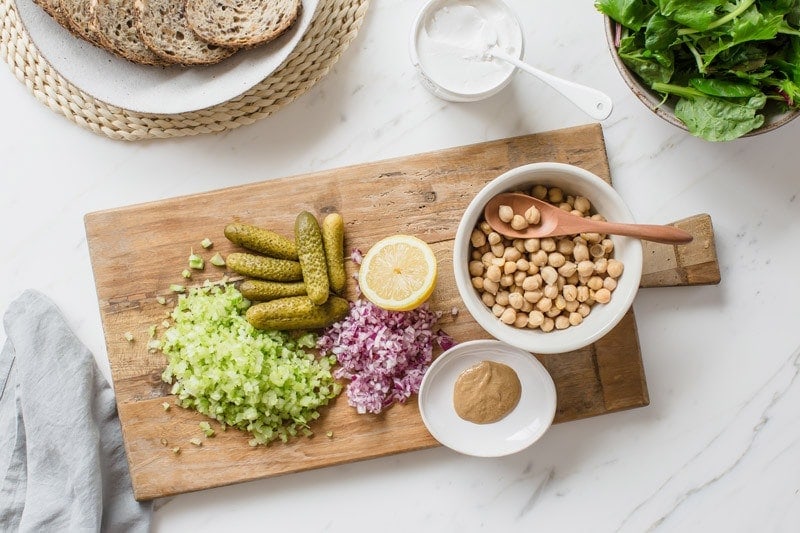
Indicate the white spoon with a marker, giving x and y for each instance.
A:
(596, 104)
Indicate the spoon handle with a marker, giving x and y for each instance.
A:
(596, 104)
(647, 232)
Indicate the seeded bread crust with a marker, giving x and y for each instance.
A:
(162, 26)
(116, 32)
(53, 8)
(79, 19)
(241, 23)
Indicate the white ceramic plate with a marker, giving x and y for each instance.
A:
(532, 416)
(147, 89)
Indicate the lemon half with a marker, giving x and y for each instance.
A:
(398, 273)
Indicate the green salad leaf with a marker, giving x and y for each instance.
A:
(723, 62)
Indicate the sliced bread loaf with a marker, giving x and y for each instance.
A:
(162, 26)
(53, 8)
(241, 23)
(79, 18)
(116, 29)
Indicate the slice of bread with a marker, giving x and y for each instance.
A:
(79, 19)
(241, 23)
(162, 26)
(116, 29)
(53, 8)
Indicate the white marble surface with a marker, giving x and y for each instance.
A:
(718, 449)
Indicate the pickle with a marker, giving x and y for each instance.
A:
(261, 240)
(333, 241)
(297, 312)
(263, 291)
(257, 266)
(311, 253)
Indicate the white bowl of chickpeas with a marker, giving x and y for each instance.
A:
(550, 295)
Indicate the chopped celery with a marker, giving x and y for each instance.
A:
(206, 243)
(186, 273)
(329, 434)
(263, 382)
(164, 441)
(196, 441)
(161, 300)
(176, 450)
(128, 336)
(217, 260)
(165, 405)
(177, 288)
(195, 261)
(206, 427)
(152, 330)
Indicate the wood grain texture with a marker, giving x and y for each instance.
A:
(138, 251)
(687, 264)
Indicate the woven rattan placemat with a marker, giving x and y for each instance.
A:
(335, 25)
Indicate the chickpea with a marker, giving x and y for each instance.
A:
(560, 303)
(598, 216)
(575, 319)
(544, 304)
(511, 254)
(555, 195)
(585, 268)
(531, 245)
(535, 319)
(572, 306)
(584, 310)
(498, 249)
(565, 246)
(533, 296)
(580, 253)
(532, 215)
(574, 279)
(527, 307)
(475, 255)
(486, 259)
(553, 312)
(549, 275)
(579, 240)
(608, 245)
(562, 322)
(505, 213)
(521, 321)
(582, 204)
(596, 250)
(497, 310)
(488, 299)
(478, 238)
(615, 268)
(515, 300)
(530, 283)
(576, 213)
(494, 238)
(507, 280)
(556, 260)
(509, 267)
(502, 298)
(523, 264)
(560, 282)
(548, 244)
(609, 283)
(475, 268)
(548, 325)
(493, 273)
(601, 265)
(591, 237)
(568, 269)
(519, 223)
(602, 295)
(539, 259)
(485, 227)
(490, 286)
(595, 283)
(539, 191)
(477, 282)
(508, 316)
(564, 206)
(570, 293)
(550, 291)
(583, 293)
(498, 261)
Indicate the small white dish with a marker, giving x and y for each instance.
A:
(448, 45)
(523, 426)
(148, 89)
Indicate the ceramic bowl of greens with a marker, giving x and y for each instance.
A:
(719, 73)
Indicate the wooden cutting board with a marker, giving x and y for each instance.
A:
(138, 251)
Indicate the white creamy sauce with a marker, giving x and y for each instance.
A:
(454, 42)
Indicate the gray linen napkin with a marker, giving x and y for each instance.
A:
(62, 463)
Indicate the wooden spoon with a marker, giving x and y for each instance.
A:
(555, 222)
